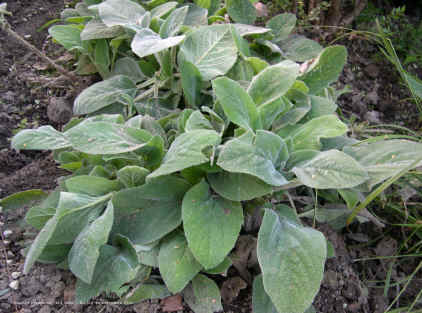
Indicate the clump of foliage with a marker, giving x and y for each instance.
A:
(198, 124)
(404, 34)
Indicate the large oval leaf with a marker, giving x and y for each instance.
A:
(115, 267)
(202, 295)
(146, 42)
(69, 36)
(103, 94)
(86, 249)
(309, 134)
(147, 292)
(238, 106)
(326, 68)
(73, 213)
(384, 159)
(187, 151)
(282, 25)
(120, 12)
(42, 138)
(91, 185)
(106, 138)
(18, 200)
(95, 29)
(238, 186)
(176, 263)
(331, 170)
(273, 82)
(211, 49)
(211, 223)
(191, 83)
(174, 22)
(259, 158)
(292, 261)
(241, 11)
(261, 301)
(299, 48)
(147, 213)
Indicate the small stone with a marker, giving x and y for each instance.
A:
(10, 254)
(9, 261)
(59, 110)
(6, 242)
(373, 117)
(15, 275)
(372, 70)
(7, 233)
(14, 284)
(32, 287)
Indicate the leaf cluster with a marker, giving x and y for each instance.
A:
(197, 123)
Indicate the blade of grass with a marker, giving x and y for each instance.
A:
(380, 189)
(404, 287)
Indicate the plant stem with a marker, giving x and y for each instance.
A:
(6, 27)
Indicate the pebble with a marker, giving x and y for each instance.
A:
(7, 233)
(10, 254)
(6, 242)
(59, 110)
(15, 275)
(14, 284)
(9, 261)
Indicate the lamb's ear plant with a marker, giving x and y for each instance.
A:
(166, 177)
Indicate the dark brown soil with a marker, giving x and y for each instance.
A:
(376, 97)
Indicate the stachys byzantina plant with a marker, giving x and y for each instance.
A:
(167, 165)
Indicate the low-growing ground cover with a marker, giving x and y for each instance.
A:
(357, 294)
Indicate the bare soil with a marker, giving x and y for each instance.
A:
(348, 286)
